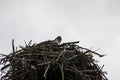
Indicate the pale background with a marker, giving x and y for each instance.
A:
(95, 23)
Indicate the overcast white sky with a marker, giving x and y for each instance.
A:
(95, 23)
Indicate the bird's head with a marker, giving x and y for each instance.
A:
(58, 40)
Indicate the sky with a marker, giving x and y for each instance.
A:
(95, 23)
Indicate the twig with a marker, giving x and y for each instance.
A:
(61, 68)
(46, 71)
(88, 50)
(13, 47)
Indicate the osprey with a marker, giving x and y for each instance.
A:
(57, 40)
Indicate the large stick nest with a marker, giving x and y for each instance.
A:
(51, 61)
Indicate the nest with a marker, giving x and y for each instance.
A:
(51, 61)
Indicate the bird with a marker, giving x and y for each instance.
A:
(57, 40)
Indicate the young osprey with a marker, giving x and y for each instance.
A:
(57, 40)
